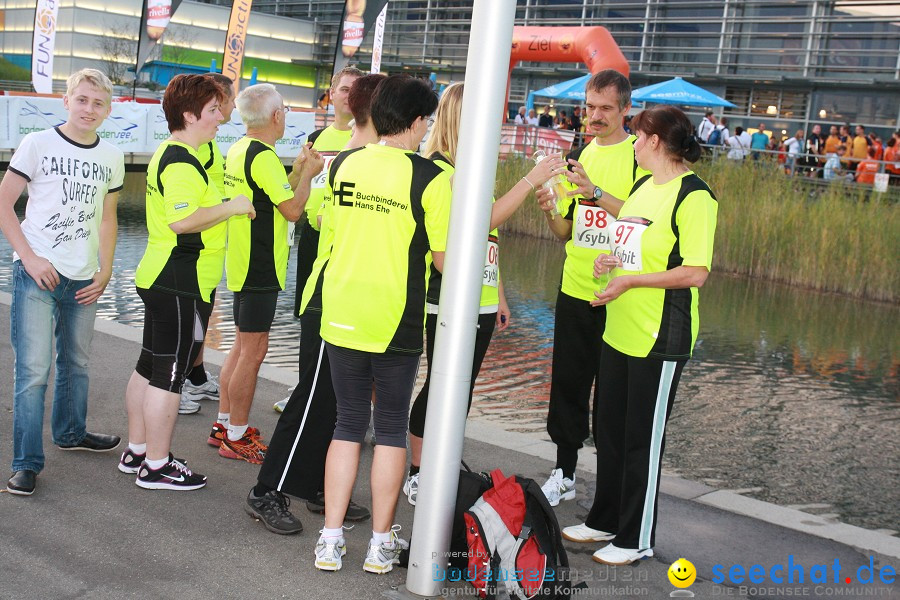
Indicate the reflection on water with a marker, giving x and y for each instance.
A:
(792, 395)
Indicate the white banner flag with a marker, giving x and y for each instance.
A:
(379, 40)
(42, 45)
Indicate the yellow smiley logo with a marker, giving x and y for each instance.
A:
(682, 573)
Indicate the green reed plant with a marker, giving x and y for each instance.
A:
(777, 227)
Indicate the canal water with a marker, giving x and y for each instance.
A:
(791, 396)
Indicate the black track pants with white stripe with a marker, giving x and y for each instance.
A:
(634, 399)
(295, 461)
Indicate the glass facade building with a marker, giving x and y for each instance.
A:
(787, 63)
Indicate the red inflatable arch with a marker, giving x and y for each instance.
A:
(594, 46)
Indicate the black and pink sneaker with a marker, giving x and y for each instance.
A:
(174, 475)
(131, 462)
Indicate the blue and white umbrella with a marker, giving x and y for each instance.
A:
(678, 91)
(567, 90)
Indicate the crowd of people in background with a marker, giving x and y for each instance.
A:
(569, 120)
(839, 155)
(836, 156)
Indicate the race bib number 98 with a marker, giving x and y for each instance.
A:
(591, 227)
(626, 241)
(492, 263)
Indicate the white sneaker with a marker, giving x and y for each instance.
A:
(582, 533)
(279, 406)
(204, 391)
(188, 407)
(382, 557)
(611, 555)
(328, 554)
(411, 488)
(558, 487)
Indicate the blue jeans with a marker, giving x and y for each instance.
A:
(33, 315)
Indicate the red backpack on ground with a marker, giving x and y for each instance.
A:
(515, 544)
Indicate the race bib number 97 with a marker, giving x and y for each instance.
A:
(626, 241)
(592, 227)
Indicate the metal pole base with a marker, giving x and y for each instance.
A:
(402, 593)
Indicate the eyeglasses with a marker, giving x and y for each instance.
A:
(430, 121)
(285, 110)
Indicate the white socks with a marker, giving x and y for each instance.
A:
(332, 535)
(380, 538)
(156, 465)
(236, 432)
(223, 419)
(137, 448)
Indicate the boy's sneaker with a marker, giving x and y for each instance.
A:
(411, 488)
(558, 487)
(247, 448)
(329, 553)
(187, 406)
(382, 557)
(219, 432)
(272, 509)
(204, 391)
(131, 462)
(174, 475)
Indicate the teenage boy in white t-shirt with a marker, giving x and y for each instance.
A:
(61, 265)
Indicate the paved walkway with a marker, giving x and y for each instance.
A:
(89, 532)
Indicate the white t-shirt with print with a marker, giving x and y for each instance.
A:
(67, 183)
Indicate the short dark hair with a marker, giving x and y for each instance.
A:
(225, 81)
(398, 101)
(188, 93)
(360, 97)
(673, 128)
(611, 77)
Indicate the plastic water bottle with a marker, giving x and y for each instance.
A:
(556, 183)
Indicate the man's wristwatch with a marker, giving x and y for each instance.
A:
(598, 193)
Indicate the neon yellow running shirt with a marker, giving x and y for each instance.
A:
(328, 142)
(614, 170)
(390, 208)
(187, 264)
(490, 291)
(661, 227)
(211, 158)
(257, 255)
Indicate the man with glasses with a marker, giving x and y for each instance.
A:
(256, 258)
